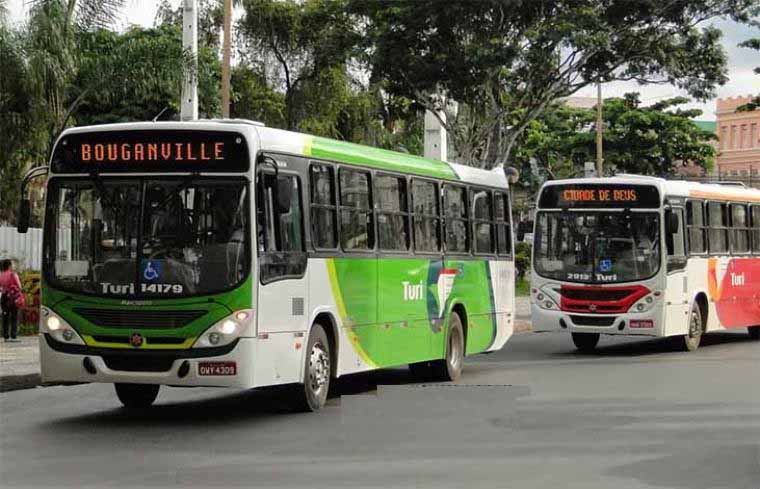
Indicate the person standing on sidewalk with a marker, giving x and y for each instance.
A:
(11, 301)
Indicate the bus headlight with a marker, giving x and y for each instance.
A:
(60, 330)
(644, 304)
(545, 298)
(225, 331)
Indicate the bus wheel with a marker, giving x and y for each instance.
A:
(421, 370)
(690, 341)
(754, 332)
(136, 395)
(450, 368)
(585, 342)
(312, 394)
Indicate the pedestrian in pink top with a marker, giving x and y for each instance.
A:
(11, 300)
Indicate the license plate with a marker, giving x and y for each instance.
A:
(217, 368)
(642, 323)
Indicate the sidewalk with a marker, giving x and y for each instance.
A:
(19, 364)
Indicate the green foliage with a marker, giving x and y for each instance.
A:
(651, 140)
(506, 62)
(135, 75)
(522, 260)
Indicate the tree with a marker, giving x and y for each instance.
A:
(652, 140)
(307, 41)
(506, 61)
(135, 75)
(754, 43)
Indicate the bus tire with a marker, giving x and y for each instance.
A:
(690, 341)
(585, 342)
(754, 332)
(421, 370)
(311, 395)
(450, 368)
(135, 396)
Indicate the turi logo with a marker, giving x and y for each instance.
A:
(737, 279)
(412, 292)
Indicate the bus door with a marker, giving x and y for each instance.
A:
(282, 272)
(676, 284)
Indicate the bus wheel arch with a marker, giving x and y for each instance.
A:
(326, 320)
(460, 310)
(701, 301)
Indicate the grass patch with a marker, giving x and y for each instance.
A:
(523, 287)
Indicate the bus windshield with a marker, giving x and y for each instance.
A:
(597, 247)
(154, 237)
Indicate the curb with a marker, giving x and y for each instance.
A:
(10, 383)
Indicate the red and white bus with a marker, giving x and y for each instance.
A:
(633, 255)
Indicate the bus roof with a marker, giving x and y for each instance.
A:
(277, 140)
(674, 188)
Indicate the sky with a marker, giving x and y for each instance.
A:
(741, 61)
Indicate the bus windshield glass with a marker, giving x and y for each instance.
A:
(162, 237)
(597, 247)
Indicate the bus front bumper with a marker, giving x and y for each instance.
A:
(629, 324)
(212, 367)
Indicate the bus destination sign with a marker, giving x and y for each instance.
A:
(151, 151)
(599, 196)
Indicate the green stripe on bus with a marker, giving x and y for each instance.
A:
(380, 159)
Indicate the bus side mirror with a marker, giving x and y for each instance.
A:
(671, 222)
(512, 174)
(24, 214)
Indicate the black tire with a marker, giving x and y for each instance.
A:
(585, 342)
(136, 396)
(450, 368)
(312, 394)
(421, 371)
(691, 340)
(754, 332)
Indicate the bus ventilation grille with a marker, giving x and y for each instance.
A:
(593, 320)
(118, 318)
(142, 363)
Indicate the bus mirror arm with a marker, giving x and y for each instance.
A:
(25, 207)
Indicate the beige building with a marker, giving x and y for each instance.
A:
(738, 139)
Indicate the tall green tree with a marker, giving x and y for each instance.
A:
(652, 140)
(506, 61)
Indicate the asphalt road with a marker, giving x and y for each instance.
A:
(535, 415)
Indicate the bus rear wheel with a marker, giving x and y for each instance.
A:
(312, 394)
(134, 396)
(450, 368)
(754, 332)
(585, 342)
(691, 340)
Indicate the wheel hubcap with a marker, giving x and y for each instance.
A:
(319, 368)
(455, 358)
(695, 328)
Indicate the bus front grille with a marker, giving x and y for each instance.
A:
(141, 363)
(125, 318)
(151, 340)
(593, 320)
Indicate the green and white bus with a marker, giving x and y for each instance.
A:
(226, 253)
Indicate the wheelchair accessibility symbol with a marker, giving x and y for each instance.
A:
(151, 270)
(605, 266)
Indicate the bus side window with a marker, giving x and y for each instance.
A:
(503, 219)
(675, 239)
(739, 229)
(695, 220)
(718, 233)
(280, 227)
(456, 219)
(324, 212)
(756, 229)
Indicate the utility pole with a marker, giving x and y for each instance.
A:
(226, 48)
(599, 129)
(190, 45)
